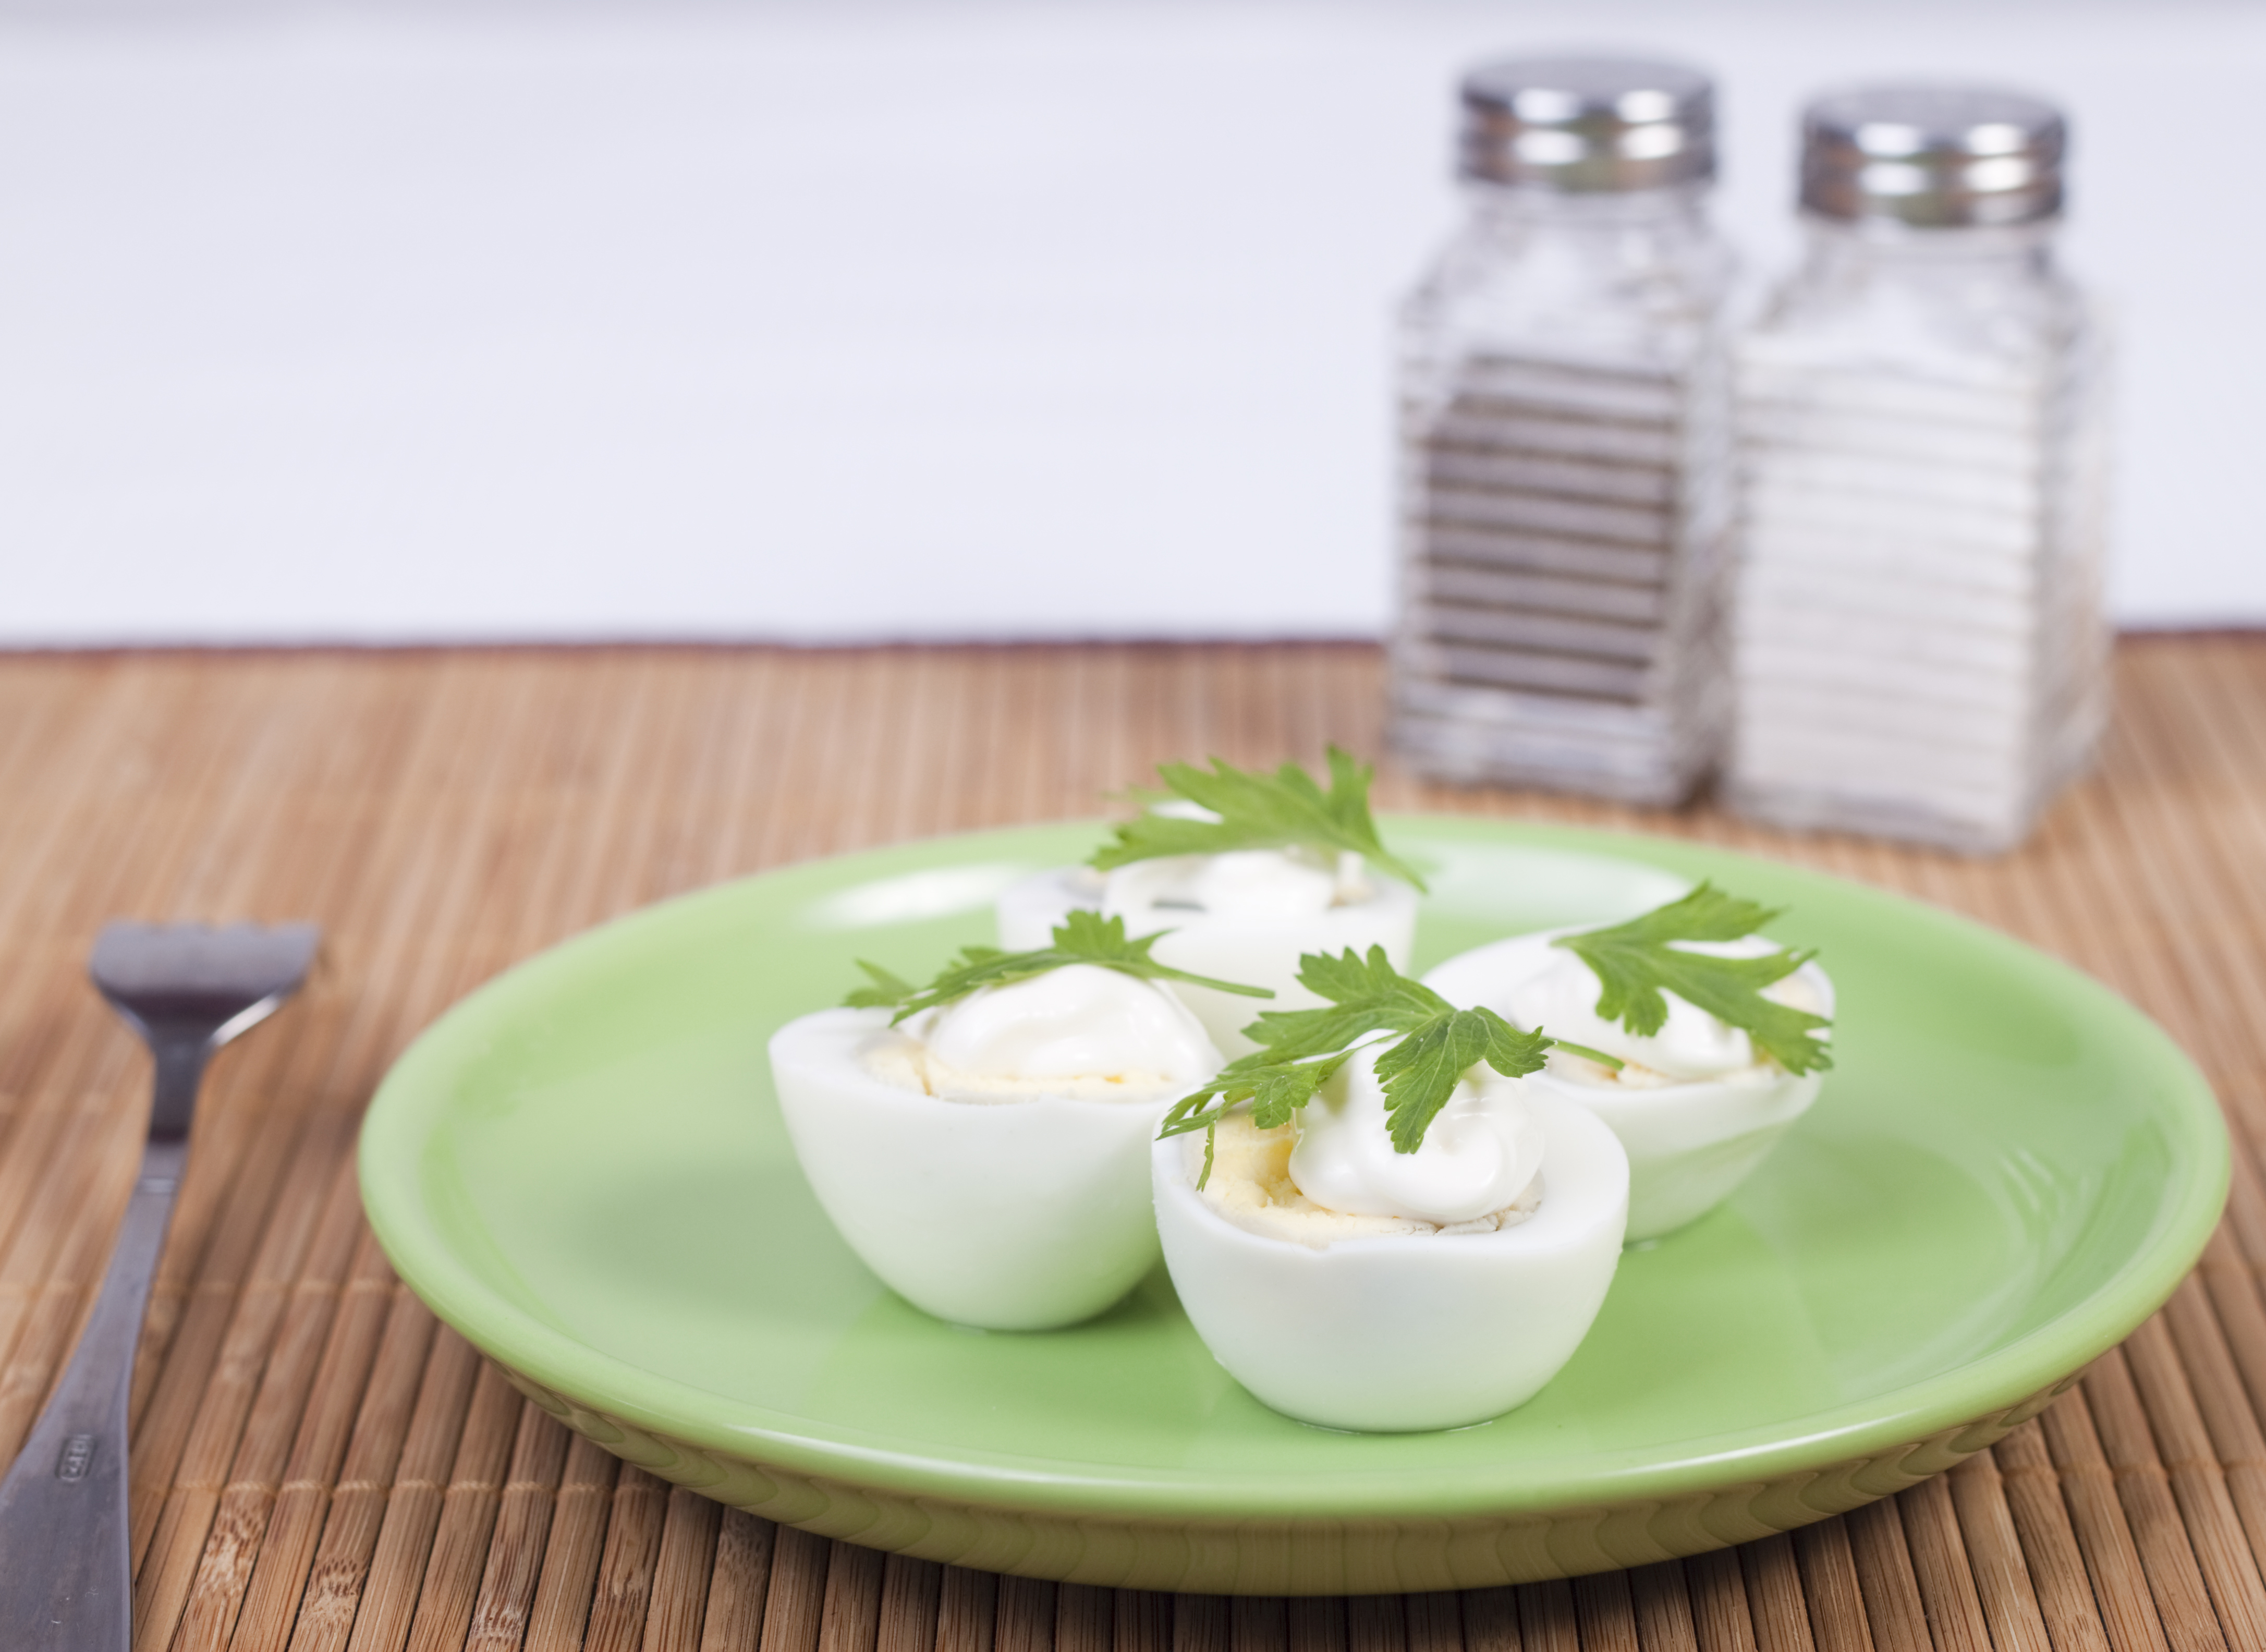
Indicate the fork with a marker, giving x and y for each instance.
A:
(66, 1570)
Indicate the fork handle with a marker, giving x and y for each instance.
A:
(66, 1561)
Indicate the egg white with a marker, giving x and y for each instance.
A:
(1021, 1216)
(1401, 1333)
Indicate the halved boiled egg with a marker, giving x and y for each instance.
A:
(1694, 1105)
(988, 1158)
(1246, 915)
(1351, 1286)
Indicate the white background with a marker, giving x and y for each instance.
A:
(970, 318)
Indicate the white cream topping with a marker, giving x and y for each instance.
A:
(1692, 1044)
(1243, 883)
(1481, 1153)
(1081, 1031)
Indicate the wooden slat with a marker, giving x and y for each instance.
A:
(1606, 1612)
(388, 1600)
(741, 1580)
(319, 1467)
(522, 1526)
(1490, 1621)
(1664, 1609)
(1435, 1623)
(1201, 1622)
(570, 1559)
(625, 1571)
(1721, 1619)
(1082, 1619)
(1885, 1576)
(2166, 1549)
(850, 1620)
(797, 1598)
(1945, 1579)
(358, 1503)
(910, 1590)
(2040, 1503)
(1142, 1621)
(1830, 1585)
(1546, 1617)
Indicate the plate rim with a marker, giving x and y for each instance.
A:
(1946, 1399)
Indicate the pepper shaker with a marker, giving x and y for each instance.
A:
(1565, 442)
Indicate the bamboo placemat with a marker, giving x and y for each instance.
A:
(317, 1466)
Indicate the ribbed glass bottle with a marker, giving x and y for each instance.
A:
(1920, 643)
(1565, 443)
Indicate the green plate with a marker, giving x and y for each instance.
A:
(580, 1168)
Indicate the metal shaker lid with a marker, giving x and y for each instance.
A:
(1936, 156)
(1587, 123)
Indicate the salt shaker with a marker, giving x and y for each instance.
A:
(1565, 442)
(1920, 642)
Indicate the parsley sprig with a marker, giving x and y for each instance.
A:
(1301, 1051)
(1638, 961)
(1085, 938)
(1282, 810)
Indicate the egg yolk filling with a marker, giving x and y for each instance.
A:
(896, 1059)
(1082, 1031)
(1252, 1187)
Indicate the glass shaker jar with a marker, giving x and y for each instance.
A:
(1565, 443)
(1920, 650)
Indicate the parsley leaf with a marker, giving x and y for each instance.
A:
(1300, 1050)
(1282, 810)
(1420, 1072)
(1636, 961)
(888, 989)
(1085, 938)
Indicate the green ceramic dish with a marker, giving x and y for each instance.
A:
(581, 1169)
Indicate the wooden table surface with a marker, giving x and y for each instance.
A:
(318, 1466)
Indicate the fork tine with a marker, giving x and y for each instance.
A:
(161, 975)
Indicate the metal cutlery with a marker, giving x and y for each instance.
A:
(66, 1571)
